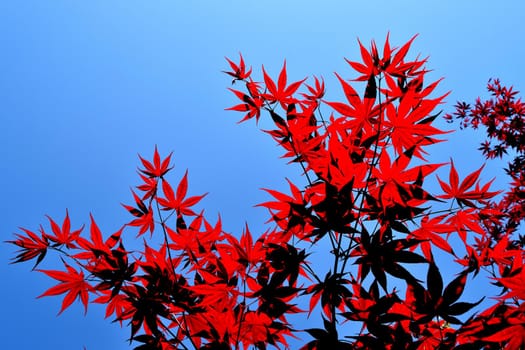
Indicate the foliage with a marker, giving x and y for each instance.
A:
(367, 195)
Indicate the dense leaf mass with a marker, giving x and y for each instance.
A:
(369, 194)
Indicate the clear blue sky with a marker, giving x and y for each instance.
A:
(86, 85)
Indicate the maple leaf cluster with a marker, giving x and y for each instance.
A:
(503, 118)
(367, 194)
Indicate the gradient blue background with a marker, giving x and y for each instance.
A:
(86, 85)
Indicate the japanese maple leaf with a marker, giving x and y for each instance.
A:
(255, 328)
(428, 234)
(439, 301)
(193, 241)
(238, 70)
(219, 295)
(287, 261)
(392, 61)
(397, 66)
(465, 220)
(116, 304)
(158, 168)
(287, 211)
(515, 281)
(503, 254)
(252, 102)
(149, 186)
(31, 246)
(410, 123)
(155, 259)
(213, 325)
(259, 328)
(274, 297)
(280, 92)
(369, 67)
(97, 246)
(316, 92)
(63, 235)
(147, 306)
(297, 135)
(72, 283)
(381, 256)
(363, 113)
(248, 253)
(397, 88)
(341, 166)
(361, 301)
(332, 292)
(398, 170)
(513, 335)
(144, 215)
(176, 200)
(396, 182)
(463, 193)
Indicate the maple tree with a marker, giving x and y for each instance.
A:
(367, 194)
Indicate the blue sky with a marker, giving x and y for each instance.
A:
(86, 86)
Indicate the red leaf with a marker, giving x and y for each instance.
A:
(281, 93)
(97, 246)
(176, 200)
(238, 70)
(32, 245)
(158, 168)
(144, 215)
(63, 236)
(461, 192)
(72, 283)
(183, 186)
(252, 102)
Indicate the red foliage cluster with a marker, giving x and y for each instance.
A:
(503, 117)
(366, 195)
